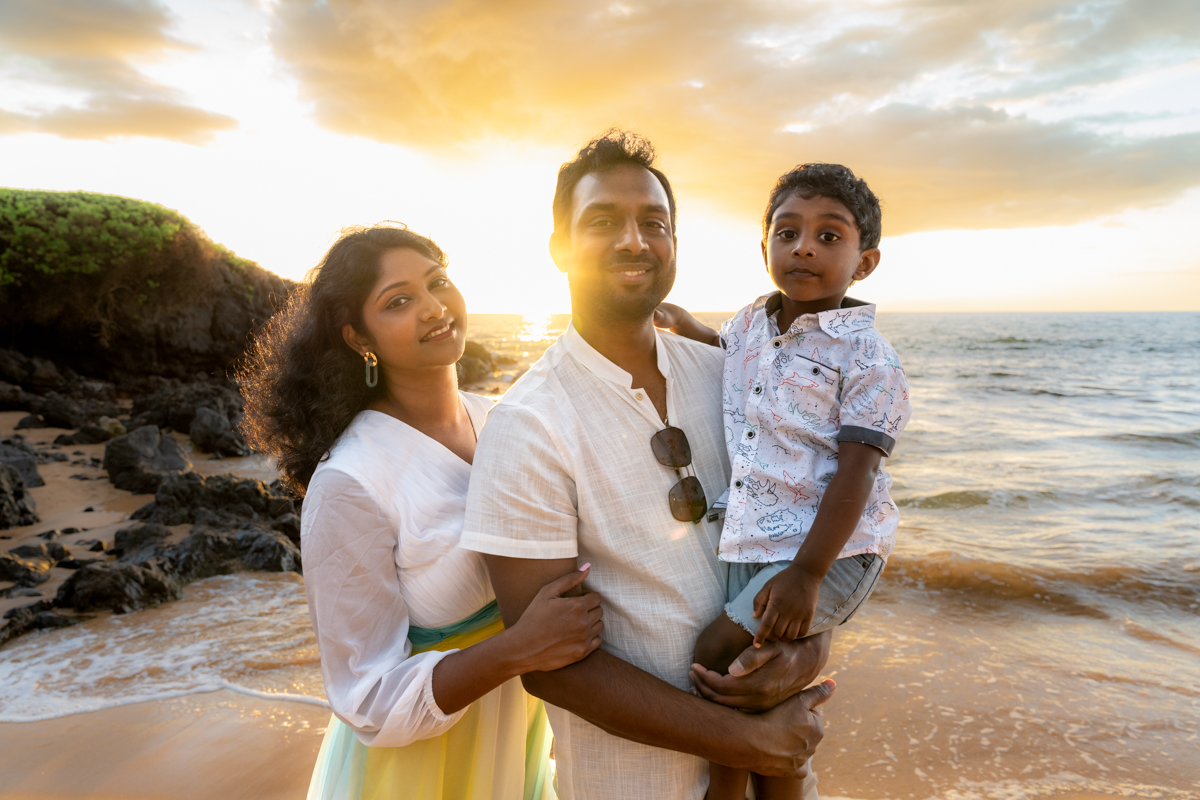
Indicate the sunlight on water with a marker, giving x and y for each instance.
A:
(535, 329)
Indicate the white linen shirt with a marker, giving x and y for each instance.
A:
(789, 399)
(379, 535)
(565, 469)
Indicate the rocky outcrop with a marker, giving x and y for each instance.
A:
(23, 571)
(39, 615)
(212, 433)
(117, 586)
(141, 459)
(17, 507)
(475, 365)
(221, 501)
(175, 404)
(113, 287)
(19, 455)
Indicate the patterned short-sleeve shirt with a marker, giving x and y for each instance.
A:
(789, 399)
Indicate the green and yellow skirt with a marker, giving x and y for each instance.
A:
(480, 758)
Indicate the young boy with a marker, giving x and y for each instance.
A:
(814, 399)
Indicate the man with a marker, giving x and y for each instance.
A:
(566, 472)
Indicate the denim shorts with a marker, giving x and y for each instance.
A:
(845, 588)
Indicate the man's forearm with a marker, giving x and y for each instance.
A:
(625, 701)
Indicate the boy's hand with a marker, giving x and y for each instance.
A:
(785, 605)
(677, 320)
(668, 315)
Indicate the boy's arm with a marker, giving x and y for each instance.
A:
(677, 320)
(787, 602)
(628, 702)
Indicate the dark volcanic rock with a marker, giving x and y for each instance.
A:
(16, 504)
(88, 434)
(215, 500)
(140, 460)
(118, 587)
(29, 422)
(140, 542)
(47, 551)
(213, 433)
(37, 373)
(15, 453)
(78, 563)
(14, 398)
(175, 406)
(59, 412)
(475, 365)
(210, 551)
(22, 571)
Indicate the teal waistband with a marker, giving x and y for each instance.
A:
(423, 637)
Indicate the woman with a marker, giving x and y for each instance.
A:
(352, 387)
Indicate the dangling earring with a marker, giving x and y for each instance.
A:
(372, 369)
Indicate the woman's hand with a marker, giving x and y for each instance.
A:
(556, 630)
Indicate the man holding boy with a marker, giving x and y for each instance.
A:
(609, 451)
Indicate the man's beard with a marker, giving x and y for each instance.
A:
(611, 304)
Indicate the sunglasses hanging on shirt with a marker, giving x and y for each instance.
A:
(671, 448)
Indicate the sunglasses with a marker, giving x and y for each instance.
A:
(671, 448)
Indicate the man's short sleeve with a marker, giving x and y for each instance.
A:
(522, 501)
(875, 405)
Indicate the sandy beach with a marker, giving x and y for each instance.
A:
(962, 679)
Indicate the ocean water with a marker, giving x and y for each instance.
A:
(1037, 630)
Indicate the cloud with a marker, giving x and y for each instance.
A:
(911, 93)
(85, 47)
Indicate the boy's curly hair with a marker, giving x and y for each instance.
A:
(837, 183)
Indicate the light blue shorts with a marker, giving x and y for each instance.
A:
(846, 587)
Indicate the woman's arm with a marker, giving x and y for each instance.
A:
(553, 632)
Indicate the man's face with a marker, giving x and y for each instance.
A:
(619, 252)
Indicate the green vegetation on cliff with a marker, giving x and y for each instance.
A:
(109, 285)
(78, 232)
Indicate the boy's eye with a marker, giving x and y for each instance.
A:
(787, 235)
(829, 236)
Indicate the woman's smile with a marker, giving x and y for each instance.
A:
(443, 331)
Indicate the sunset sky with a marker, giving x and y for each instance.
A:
(1031, 154)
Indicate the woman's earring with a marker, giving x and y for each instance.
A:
(372, 369)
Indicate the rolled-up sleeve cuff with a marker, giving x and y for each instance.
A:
(435, 710)
(517, 548)
(875, 438)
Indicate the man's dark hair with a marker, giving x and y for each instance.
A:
(837, 183)
(610, 149)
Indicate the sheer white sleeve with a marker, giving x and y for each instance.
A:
(373, 682)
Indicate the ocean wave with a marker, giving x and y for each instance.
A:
(1182, 438)
(1078, 592)
(971, 498)
(248, 633)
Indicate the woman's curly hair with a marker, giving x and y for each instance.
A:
(302, 383)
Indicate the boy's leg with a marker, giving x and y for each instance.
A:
(719, 644)
(769, 788)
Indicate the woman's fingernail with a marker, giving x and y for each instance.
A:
(585, 567)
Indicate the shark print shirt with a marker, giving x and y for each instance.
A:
(789, 399)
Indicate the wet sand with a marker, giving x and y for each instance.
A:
(216, 745)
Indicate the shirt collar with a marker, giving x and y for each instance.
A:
(853, 315)
(600, 366)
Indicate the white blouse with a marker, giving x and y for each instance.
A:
(379, 538)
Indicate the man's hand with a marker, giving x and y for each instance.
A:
(786, 604)
(763, 677)
(789, 734)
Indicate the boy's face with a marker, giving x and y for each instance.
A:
(812, 254)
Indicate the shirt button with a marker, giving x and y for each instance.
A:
(749, 434)
(777, 344)
(737, 484)
(816, 370)
(640, 396)
(758, 390)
